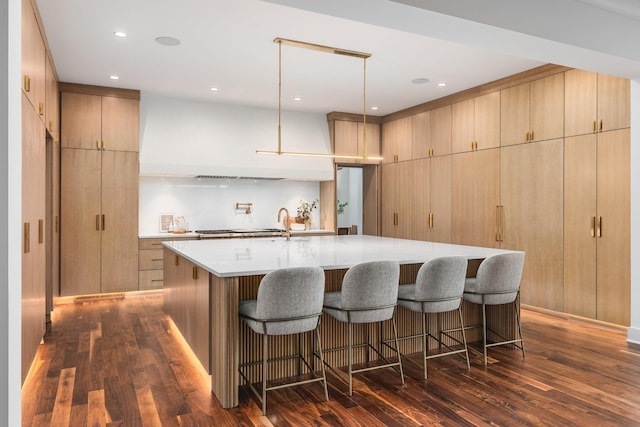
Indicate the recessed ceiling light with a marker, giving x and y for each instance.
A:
(420, 80)
(120, 34)
(114, 77)
(374, 108)
(297, 98)
(213, 89)
(442, 84)
(167, 41)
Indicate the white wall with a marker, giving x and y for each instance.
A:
(188, 138)
(210, 203)
(349, 189)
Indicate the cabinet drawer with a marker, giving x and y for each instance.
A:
(150, 259)
(151, 243)
(150, 279)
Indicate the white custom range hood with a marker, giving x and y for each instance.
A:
(181, 137)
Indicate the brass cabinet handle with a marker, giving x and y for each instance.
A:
(526, 138)
(27, 83)
(499, 223)
(599, 228)
(41, 109)
(156, 244)
(156, 280)
(56, 223)
(395, 218)
(103, 221)
(26, 236)
(97, 222)
(97, 145)
(177, 260)
(594, 125)
(395, 158)
(157, 259)
(102, 145)
(194, 273)
(593, 226)
(41, 231)
(600, 125)
(430, 219)
(532, 137)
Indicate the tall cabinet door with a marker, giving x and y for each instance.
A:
(440, 199)
(475, 197)
(531, 217)
(81, 125)
(81, 222)
(120, 123)
(119, 221)
(579, 226)
(613, 227)
(388, 185)
(419, 189)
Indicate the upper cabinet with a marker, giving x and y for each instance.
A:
(397, 137)
(33, 59)
(440, 131)
(532, 111)
(595, 102)
(356, 139)
(475, 123)
(52, 102)
(421, 135)
(100, 122)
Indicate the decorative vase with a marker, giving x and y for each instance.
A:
(307, 223)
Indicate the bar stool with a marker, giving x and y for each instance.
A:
(289, 302)
(369, 294)
(497, 282)
(438, 289)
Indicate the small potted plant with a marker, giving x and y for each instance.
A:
(304, 212)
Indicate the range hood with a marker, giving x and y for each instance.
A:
(181, 137)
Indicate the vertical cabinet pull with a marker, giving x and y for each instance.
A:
(601, 125)
(499, 223)
(97, 145)
(532, 137)
(97, 222)
(177, 262)
(395, 218)
(41, 109)
(593, 226)
(594, 125)
(194, 274)
(41, 231)
(26, 238)
(102, 220)
(27, 83)
(56, 224)
(599, 228)
(430, 220)
(102, 145)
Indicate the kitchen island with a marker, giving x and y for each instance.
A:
(206, 279)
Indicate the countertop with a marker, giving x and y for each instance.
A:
(255, 256)
(193, 235)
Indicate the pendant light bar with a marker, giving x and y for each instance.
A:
(327, 49)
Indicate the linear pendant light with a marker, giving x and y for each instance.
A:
(336, 51)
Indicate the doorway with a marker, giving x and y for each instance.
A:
(357, 199)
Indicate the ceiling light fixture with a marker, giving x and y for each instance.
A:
(336, 51)
(420, 81)
(120, 34)
(114, 77)
(213, 89)
(167, 41)
(442, 84)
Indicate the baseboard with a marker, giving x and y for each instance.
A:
(633, 335)
(584, 320)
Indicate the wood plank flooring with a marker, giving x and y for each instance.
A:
(120, 363)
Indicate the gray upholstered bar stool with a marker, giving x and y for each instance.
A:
(497, 282)
(369, 294)
(438, 289)
(289, 302)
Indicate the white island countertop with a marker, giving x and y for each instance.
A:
(256, 256)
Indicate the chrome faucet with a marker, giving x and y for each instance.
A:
(287, 223)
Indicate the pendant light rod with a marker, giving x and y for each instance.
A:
(327, 49)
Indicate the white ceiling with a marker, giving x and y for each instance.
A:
(229, 44)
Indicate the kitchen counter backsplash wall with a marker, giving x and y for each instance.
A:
(210, 203)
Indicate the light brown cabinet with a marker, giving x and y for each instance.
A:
(52, 102)
(99, 200)
(33, 59)
(475, 123)
(440, 131)
(532, 111)
(430, 203)
(531, 217)
(33, 233)
(99, 122)
(597, 226)
(187, 285)
(595, 103)
(421, 135)
(350, 139)
(99, 211)
(475, 198)
(397, 180)
(151, 260)
(397, 140)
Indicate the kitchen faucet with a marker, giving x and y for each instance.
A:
(287, 223)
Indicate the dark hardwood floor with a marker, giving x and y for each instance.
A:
(120, 363)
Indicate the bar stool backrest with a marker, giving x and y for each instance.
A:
(498, 278)
(440, 284)
(371, 285)
(293, 295)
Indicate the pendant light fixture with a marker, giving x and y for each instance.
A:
(336, 51)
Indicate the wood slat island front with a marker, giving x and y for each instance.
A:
(204, 281)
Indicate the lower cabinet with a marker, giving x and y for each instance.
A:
(187, 285)
(151, 260)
